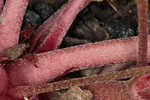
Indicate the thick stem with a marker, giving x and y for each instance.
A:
(38, 68)
(143, 32)
(12, 16)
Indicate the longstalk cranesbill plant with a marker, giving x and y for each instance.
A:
(35, 69)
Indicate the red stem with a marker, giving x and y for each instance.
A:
(39, 68)
(143, 32)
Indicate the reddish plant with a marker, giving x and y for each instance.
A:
(100, 81)
(55, 63)
(143, 31)
(35, 69)
(51, 32)
(10, 25)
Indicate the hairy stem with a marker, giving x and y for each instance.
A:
(22, 91)
(38, 68)
(11, 16)
(143, 32)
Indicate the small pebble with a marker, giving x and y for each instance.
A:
(73, 93)
(15, 51)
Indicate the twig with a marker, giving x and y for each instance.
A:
(22, 91)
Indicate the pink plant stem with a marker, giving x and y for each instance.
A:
(12, 16)
(143, 32)
(43, 30)
(50, 34)
(38, 68)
